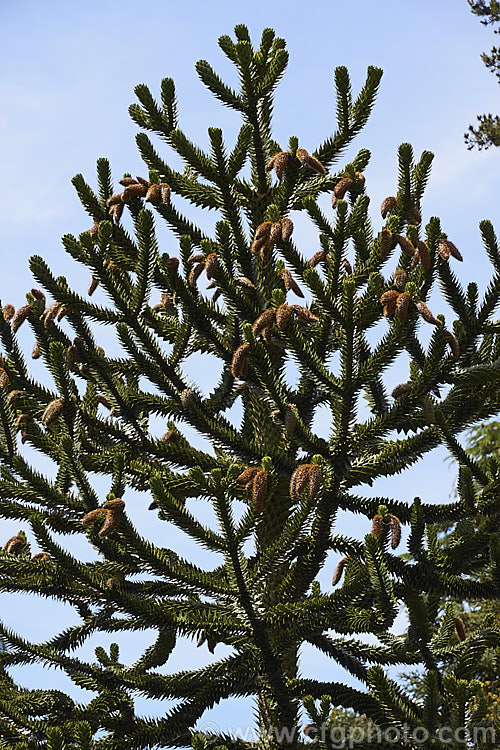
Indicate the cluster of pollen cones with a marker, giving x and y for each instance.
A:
(305, 476)
(139, 187)
(113, 510)
(135, 188)
(15, 545)
(263, 326)
(279, 162)
(269, 233)
(55, 311)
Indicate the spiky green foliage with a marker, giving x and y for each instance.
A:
(273, 535)
(487, 132)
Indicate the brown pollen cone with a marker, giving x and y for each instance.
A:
(388, 300)
(280, 162)
(316, 165)
(402, 304)
(290, 283)
(153, 195)
(286, 228)
(259, 490)
(275, 232)
(341, 188)
(427, 314)
(72, 356)
(447, 248)
(211, 265)
(267, 335)
(187, 398)
(414, 216)
(299, 480)
(270, 163)
(302, 155)
(40, 556)
(21, 420)
(94, 230)
(19, 317)
(264, 320)
(62, 312)
(52, 411)
(400, 278)
(401, 390)
(317, 258)
(388, 204)
(339, 569)
(111, 522)
(263, 230)
(115, 504)
(315, 479)
(305, 314)
(116, 212)
(36, 353)
(134, 191)
(244, 282)
(165, 192)
(377, 526)
(453, 343)
(261, 240)
(283, 314)
(415, 260)
(248, 475)
(424, 255)
(9, 312)
(94, 283)
(4, 378)
(239, 363)
(406, 246)
(195, 273)
(14, 545)
(113, 510)
(126, 181)
(114, 200)
(395, 529)
(49, 314)
(385, 243)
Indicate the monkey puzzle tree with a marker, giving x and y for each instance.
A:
(274, 484)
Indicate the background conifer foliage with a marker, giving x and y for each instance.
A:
(487, 132)
(247, 295)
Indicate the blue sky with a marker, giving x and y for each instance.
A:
(67, 76)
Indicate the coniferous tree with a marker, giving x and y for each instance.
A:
(482, 445)
(487, 132)
(274, 484)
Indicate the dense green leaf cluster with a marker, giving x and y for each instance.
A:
(487, 132)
